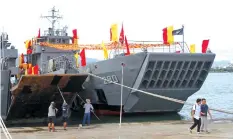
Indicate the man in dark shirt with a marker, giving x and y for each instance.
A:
(204, 120)
(64, 114)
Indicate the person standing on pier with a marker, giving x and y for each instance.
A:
(87, 114)
(204, 120)
(196, 113)
(65, 114)
(52, 116)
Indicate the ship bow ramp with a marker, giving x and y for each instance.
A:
(33, 94)
(168, 74)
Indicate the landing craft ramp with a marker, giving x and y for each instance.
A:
(31, 97)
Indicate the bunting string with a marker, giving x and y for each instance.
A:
(109, 46)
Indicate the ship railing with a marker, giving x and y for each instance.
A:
(159, 46)
(57, 32)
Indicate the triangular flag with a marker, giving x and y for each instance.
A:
(83, 57)
(127, 46)
(122, 35)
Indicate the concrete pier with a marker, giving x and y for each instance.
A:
(144, 130)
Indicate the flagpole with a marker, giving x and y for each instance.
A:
(122, 80)
(183, 38)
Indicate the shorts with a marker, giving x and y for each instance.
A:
(64, 119)
(51, 119)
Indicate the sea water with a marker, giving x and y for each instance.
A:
(218, 91)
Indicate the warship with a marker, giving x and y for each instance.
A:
(175, 75)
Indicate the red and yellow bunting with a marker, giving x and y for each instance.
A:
(109, 46)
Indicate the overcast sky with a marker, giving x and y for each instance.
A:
(143, 20)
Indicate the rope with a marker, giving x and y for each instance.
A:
(61, 93)
(5, 131)
(156, 95)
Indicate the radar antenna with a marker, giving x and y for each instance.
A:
(53, 18)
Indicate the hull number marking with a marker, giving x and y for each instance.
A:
(112, 78)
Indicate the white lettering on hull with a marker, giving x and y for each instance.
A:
(111, 78)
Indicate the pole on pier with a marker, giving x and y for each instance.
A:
(183, 38)
(122, 82)
(61, 93)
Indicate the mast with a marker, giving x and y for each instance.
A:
(53, 18)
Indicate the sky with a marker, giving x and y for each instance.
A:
(143, 20)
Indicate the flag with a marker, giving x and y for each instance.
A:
(38, 36)
(75, 36)
(127, 46)
(105, 50)
(114, 30)
(26, 72)
(27, 44)
(165, 36)
(76, 58)
(35, 70)
(110, 34)
(178, 31)
(25, 65)
(122, 35)
(83, 57)
(21, 59)
(170, 37)
(29, 70)
(192, 48)
(29, 51)
(205, 44)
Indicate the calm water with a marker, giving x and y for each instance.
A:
(218, 90)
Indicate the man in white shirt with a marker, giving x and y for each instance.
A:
(196, 116)
(52, 110)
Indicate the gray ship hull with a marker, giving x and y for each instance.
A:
(168, 74)
(5, 95)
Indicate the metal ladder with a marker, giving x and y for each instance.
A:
(5, 131)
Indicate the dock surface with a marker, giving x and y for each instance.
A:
(145, 130)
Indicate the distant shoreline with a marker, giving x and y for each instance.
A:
(221, 70)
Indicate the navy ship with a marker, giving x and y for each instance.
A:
(170, 74)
